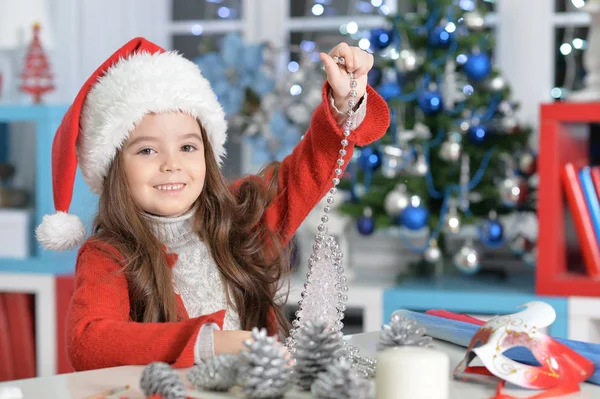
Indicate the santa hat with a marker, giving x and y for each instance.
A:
(138, 79)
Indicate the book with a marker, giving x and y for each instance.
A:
(591, 199)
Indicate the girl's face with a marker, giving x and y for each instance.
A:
(164, 163)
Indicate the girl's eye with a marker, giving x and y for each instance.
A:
(188, 148)
(146, 151)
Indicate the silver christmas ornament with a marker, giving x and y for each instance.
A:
(392, 160)
(420, 167)
(339, 381)
(518, 245)
(474, 20)
(218, 373)
(407, 61)
(396, 201)
(451, 149)
(317, 346)
(497, 83)
(160, 378)
(452, 88)
(452, 221)
(465, 126)
(402, 332)
(432, 254)
(513, 190)
(264, 369)
(527, 163)
(530, 258)
(509, 124)
(467, 259)
(506, 108)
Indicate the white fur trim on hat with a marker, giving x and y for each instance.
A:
(60, 232)
(135, 86)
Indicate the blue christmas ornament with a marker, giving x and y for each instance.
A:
(414, 217)
(478, 67)
(478, 133)
(389, 90)
(369, 159)
(366, 223)
(380, 38)
(430, 102)
(440, 37)
(374, 76)
(492, 232)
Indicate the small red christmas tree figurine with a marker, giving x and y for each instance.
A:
(37, 78)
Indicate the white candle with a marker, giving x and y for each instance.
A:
(412, 373)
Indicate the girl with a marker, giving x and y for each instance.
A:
(181, 266)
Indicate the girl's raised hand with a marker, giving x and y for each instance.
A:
(355, 60)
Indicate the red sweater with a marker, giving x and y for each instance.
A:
(100, 332)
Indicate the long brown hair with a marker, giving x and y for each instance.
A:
(250, 257)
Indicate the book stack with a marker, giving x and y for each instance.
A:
(582, 187)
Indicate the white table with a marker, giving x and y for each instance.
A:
(83, 384)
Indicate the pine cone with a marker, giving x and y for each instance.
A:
(340, 381)
(403, 332)
(264, 370)
(218, 373)
(160, 378)
(316, 348)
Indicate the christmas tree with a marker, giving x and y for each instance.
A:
(37, 78)
(455, 154)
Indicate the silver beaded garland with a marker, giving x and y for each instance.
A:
(323, 300)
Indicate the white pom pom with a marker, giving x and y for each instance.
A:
(60, 232)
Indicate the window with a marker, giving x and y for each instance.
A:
(197, 27)
(570, 26)
(184, 10)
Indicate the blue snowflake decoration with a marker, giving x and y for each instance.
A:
(283, 138)
(232, 70)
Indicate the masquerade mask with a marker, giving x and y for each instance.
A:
(558, 364)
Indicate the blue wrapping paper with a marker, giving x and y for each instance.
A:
(460, 333)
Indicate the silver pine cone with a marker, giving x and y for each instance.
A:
(403, 332)
(316, 347)
(218, 373)
(340, 381)
(264, 370)
(160, 378)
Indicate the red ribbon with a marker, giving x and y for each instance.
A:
(549, 393)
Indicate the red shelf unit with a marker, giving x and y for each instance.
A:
(562, 140)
